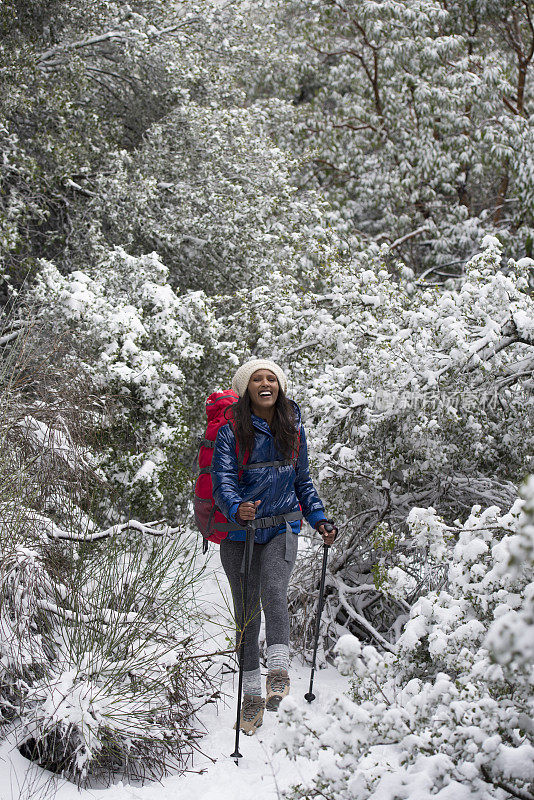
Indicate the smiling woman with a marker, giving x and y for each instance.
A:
(263, 389)
(273, 491)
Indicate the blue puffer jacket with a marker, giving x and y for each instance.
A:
(280, 489)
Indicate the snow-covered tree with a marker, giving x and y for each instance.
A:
(78, 83)
(152, 353)
(410, 384)
(413, 117)
(212, 194)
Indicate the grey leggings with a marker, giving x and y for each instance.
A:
(268, 580)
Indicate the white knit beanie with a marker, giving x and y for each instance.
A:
(245, 372)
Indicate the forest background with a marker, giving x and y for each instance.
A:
(348, 188)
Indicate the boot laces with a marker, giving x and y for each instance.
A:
(250, 709)
(278, 682)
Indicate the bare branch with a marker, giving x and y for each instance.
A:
(9, 337)
(491, 350)
(350, 127)
(349, 610)
(510, 105)
(345, 556)
(62, 49)
(524, 368)
(485, 351)
(77, 616)
(73, 185)
(520, 793)
(46, 59)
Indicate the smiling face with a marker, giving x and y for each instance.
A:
(263, 389)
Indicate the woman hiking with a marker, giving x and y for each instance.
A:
(267, 425)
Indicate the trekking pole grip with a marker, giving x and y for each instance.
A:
(328, 528)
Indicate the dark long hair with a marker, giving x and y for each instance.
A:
(283, 425)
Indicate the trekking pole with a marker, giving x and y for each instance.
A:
(309, 696)
(248, 547)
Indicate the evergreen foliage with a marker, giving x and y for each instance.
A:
(413, 118)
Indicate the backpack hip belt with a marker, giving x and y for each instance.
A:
(270, 522)
(260, 522)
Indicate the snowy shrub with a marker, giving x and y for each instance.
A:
(96, 626)
(23, 649)
(95, 637)
(150, 350)
(449, 711)
(44, 471)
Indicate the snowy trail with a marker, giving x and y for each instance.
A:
(261, 774)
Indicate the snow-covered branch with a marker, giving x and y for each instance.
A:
(44, 59)
(107, 616)
(408, 236)
(55, 56)
(54, 532)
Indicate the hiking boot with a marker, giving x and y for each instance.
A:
(277, 688)
(251, 713)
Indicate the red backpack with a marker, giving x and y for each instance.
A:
(211, 523)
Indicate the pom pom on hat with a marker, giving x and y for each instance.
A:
(247, 370)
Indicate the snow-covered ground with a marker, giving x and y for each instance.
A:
(261, 773)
